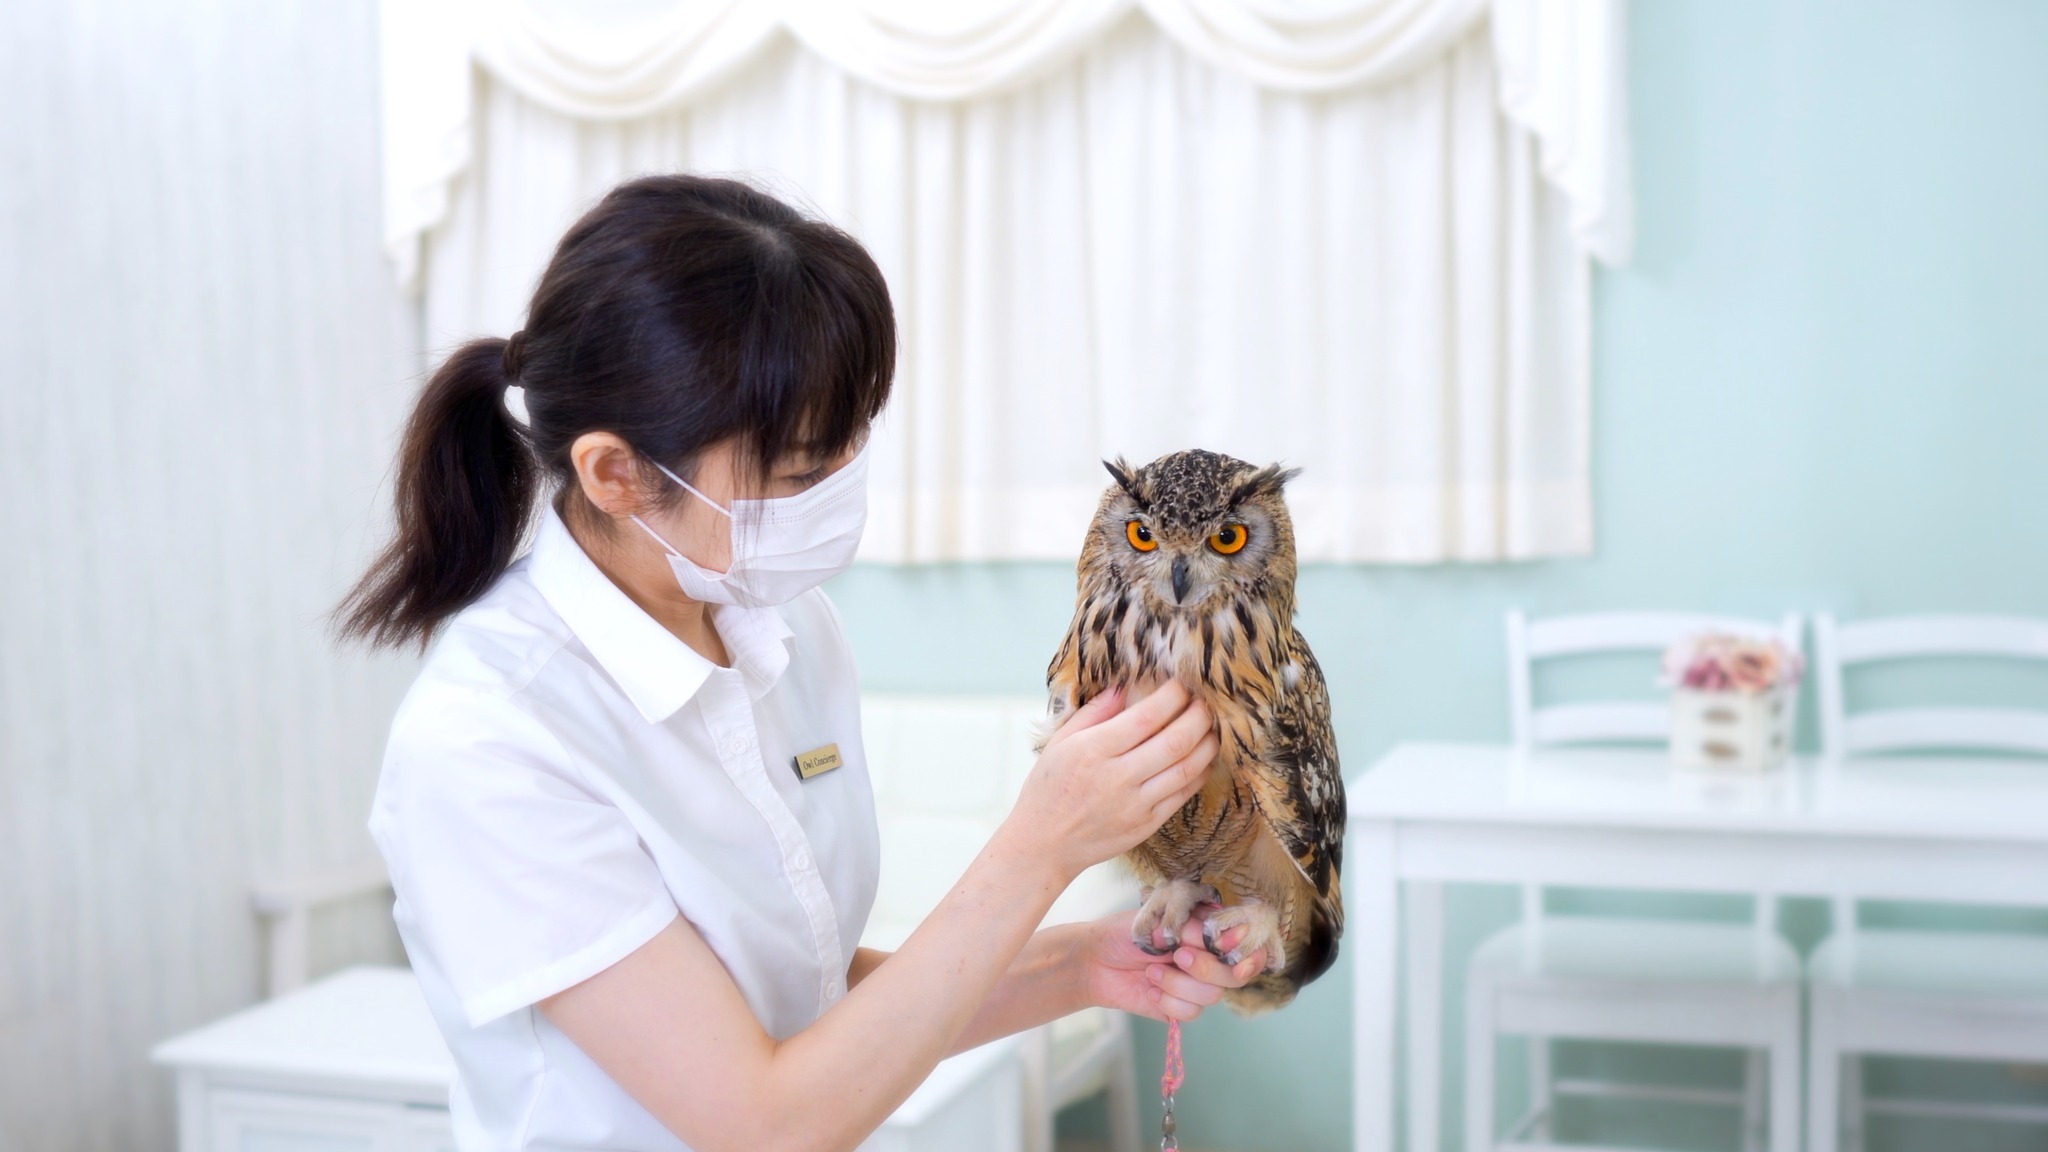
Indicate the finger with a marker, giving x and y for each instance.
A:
(1166, 749)
(1200, 965)
(1099, 708)
(1170, 789)
(1138, 723)
(1171, 1007)
(1175, 982)
(1192, 932)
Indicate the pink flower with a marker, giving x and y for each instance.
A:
(1721, 663)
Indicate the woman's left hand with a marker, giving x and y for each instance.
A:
(1176, 987)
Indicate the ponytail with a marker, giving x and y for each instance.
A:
(466, 483)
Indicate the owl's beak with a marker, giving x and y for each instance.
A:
(1180, 579)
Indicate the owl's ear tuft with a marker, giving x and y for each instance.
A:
(1127, 479)
(1266, 481)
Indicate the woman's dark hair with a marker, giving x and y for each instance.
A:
(680, 312)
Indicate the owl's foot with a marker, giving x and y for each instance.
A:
(1261, 924)
(1168, 906)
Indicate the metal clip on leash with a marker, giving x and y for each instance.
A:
(1170, 1081)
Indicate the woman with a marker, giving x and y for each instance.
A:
(625, 805)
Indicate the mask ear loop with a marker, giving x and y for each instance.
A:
(686, 486)
(666, 546)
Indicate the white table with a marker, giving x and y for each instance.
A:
(1969, 830)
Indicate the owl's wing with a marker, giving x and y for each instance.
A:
(1063, 679)
(1297, 780)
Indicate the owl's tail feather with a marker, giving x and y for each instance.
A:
(1276, 989)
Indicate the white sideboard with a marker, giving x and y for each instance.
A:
(354, 1063)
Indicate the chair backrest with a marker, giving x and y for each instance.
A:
(1607, 633)
(1839, 646)
(287, 906)
(946, 771)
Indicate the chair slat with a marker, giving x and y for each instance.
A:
(1899, 637)
(1633, 631)
(1984, 729)
(1580, 723)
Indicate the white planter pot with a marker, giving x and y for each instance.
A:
(1730, 731)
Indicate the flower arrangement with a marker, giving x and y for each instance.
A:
(1730, 702)
(1718, 662)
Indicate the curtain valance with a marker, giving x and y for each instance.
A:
(1558, 64)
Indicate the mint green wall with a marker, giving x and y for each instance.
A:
(1822, 384)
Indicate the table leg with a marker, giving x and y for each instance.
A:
(1424, 908)
(1370, 933)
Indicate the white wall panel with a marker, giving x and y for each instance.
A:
(202, 368)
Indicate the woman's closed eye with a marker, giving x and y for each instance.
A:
(803, 480)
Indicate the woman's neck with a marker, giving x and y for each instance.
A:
(653, 587)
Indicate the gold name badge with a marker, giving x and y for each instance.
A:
(818, 761)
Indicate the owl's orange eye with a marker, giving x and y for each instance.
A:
(1140, 536)
(1229, 538)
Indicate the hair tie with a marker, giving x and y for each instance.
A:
(515, 354)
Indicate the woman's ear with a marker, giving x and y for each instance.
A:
(607, 470)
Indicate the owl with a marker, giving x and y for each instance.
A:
(1188, 574)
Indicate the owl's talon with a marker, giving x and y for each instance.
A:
(1234, 957)
(1261, 924)
(1167, 908)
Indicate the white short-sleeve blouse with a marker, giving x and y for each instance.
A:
(564, 777)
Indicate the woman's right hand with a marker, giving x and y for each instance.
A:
(1111, 775)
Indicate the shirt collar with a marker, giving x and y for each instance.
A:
(658, 672)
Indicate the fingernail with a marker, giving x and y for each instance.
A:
(1185, 957)
(1155, 973)
(1152, 994)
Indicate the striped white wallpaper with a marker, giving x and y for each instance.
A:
(202, 367)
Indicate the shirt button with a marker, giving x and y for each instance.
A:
(800, 860)
(738, 745)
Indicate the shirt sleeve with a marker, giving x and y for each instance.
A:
(518, 879)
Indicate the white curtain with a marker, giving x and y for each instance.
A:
(1354, 239)
(203, 366)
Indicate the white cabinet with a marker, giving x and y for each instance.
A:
(426, 1130)
(972, 1101)
(350, 1064)
(250, 1121)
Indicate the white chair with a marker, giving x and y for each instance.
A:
(1940, 995)
(946, 770)
(287, 906)
(1631, 980)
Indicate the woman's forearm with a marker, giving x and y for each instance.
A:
(923, 999)
(1046, 981)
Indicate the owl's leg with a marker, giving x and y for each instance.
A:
(1261, 924)
(1168, 906)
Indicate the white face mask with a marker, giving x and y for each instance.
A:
(781, 548)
